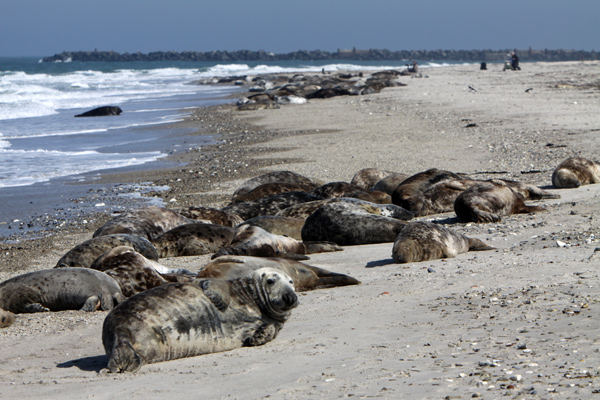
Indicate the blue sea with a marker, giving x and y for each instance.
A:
(43, 146)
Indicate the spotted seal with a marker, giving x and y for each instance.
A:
(285, 226)
(304, 210)
(60, 289)
(272, 188)
(193, 240)
(366, 178)
(255, 241)
(490, 201)
(84, 254)
(269, 205)
(576, 171)
(390, 183)
(148, 222)
(305, 277)
(189, 319)
(423, 241)
(274, 176)
(348, 224)
(210, 215)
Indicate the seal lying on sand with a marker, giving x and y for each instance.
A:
(272, 188)
(414, 186)
(60, 289)
(305, 277)
(255, 241)
(423, 241)
(6, 318)
(390, 183)
(348, 224)
(193, 240)
(576, 171)
(210, 215)
(366, 178)
(277, 225)
(134, 272)
(275, 176)
(148, 222)
(84, 254)
(188, 319)
(269, 205)
(490, 201)
(304, 210)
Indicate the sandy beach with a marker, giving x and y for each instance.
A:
(517, 322)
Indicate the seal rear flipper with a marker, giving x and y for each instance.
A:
(34, 307)
(263, 334)
(92, 303)
(217, 291)
(478, 245)
(321, 247)
(332, 279)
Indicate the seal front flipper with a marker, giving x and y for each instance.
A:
(34, 307)
(123, 357)
(217, 291)
(478, 245)
(327, 279)
(263, 334)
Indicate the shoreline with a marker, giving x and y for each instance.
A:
(518, 321)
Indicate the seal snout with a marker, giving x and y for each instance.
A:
(290, 298)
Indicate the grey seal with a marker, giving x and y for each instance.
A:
(348, 224)
(269, 205)
(305, 277)
(255, 241)
(210, 215)
(423, 241)
(304, 210)
(490, 201)
(576, 171)
(148, 222)
(193, 240)
(414, 186)
(272, 188)
(84, 254)
(60, 289)
(285, 226)
(189, 319)
(275, 176)
(366, 178)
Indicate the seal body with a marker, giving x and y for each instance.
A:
(275, 176)
(286, 226)
(366, 178)
(148, 222)
(255, 241)
(389, 183)
(102, 112)
(272, 188)
(84, 254)
(576, 171)
(60, 289)
(193, 240)
(189, 319)
(210, 215)
(414, 186)
(348, 224)
(489, 202)
(269, 205)
(305, 277)
(304, 210)
(423, 241)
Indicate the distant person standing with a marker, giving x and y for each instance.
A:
(515, 61)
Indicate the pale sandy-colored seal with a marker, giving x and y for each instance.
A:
(275, 176)
(272, 188)
(134, 272)
(60, 289)
(84, 254)
(189, 319)
(576, 171)
(269, 205)
(193, 240)
(490, 201)
(255, 241)
(6, 318)
(286, 226)
(305, 277)
(148, 222)
(366, 178)
(348, 224)
(210, 215)
(423, 241)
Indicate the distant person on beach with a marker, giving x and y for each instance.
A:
(514, 61)
(483, 66)
(414, 68)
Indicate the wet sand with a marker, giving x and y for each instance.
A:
(520, 321)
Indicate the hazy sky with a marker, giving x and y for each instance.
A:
(46, 27)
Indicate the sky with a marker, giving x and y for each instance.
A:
(47, 27)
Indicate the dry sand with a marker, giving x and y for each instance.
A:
(518, 322)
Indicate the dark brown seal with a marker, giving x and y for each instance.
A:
(576, 171)
(390, 183)
(60, 289)
(366, 178)
(148, 222)
(275, 176)
(193, 240)
(348, 224)
(189, 319)
(423, 241)
(490, 201)
(416, 185)
(84, 254)
(305, 277)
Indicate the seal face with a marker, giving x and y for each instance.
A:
(576, 171)
(193, 240)
(255, 241)
(305, 277)
(189, 319)
(60, 289)
(84, 254)
(423, 241)
(148, 222)
(348, 224)
(6, 318)
(490, 201)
